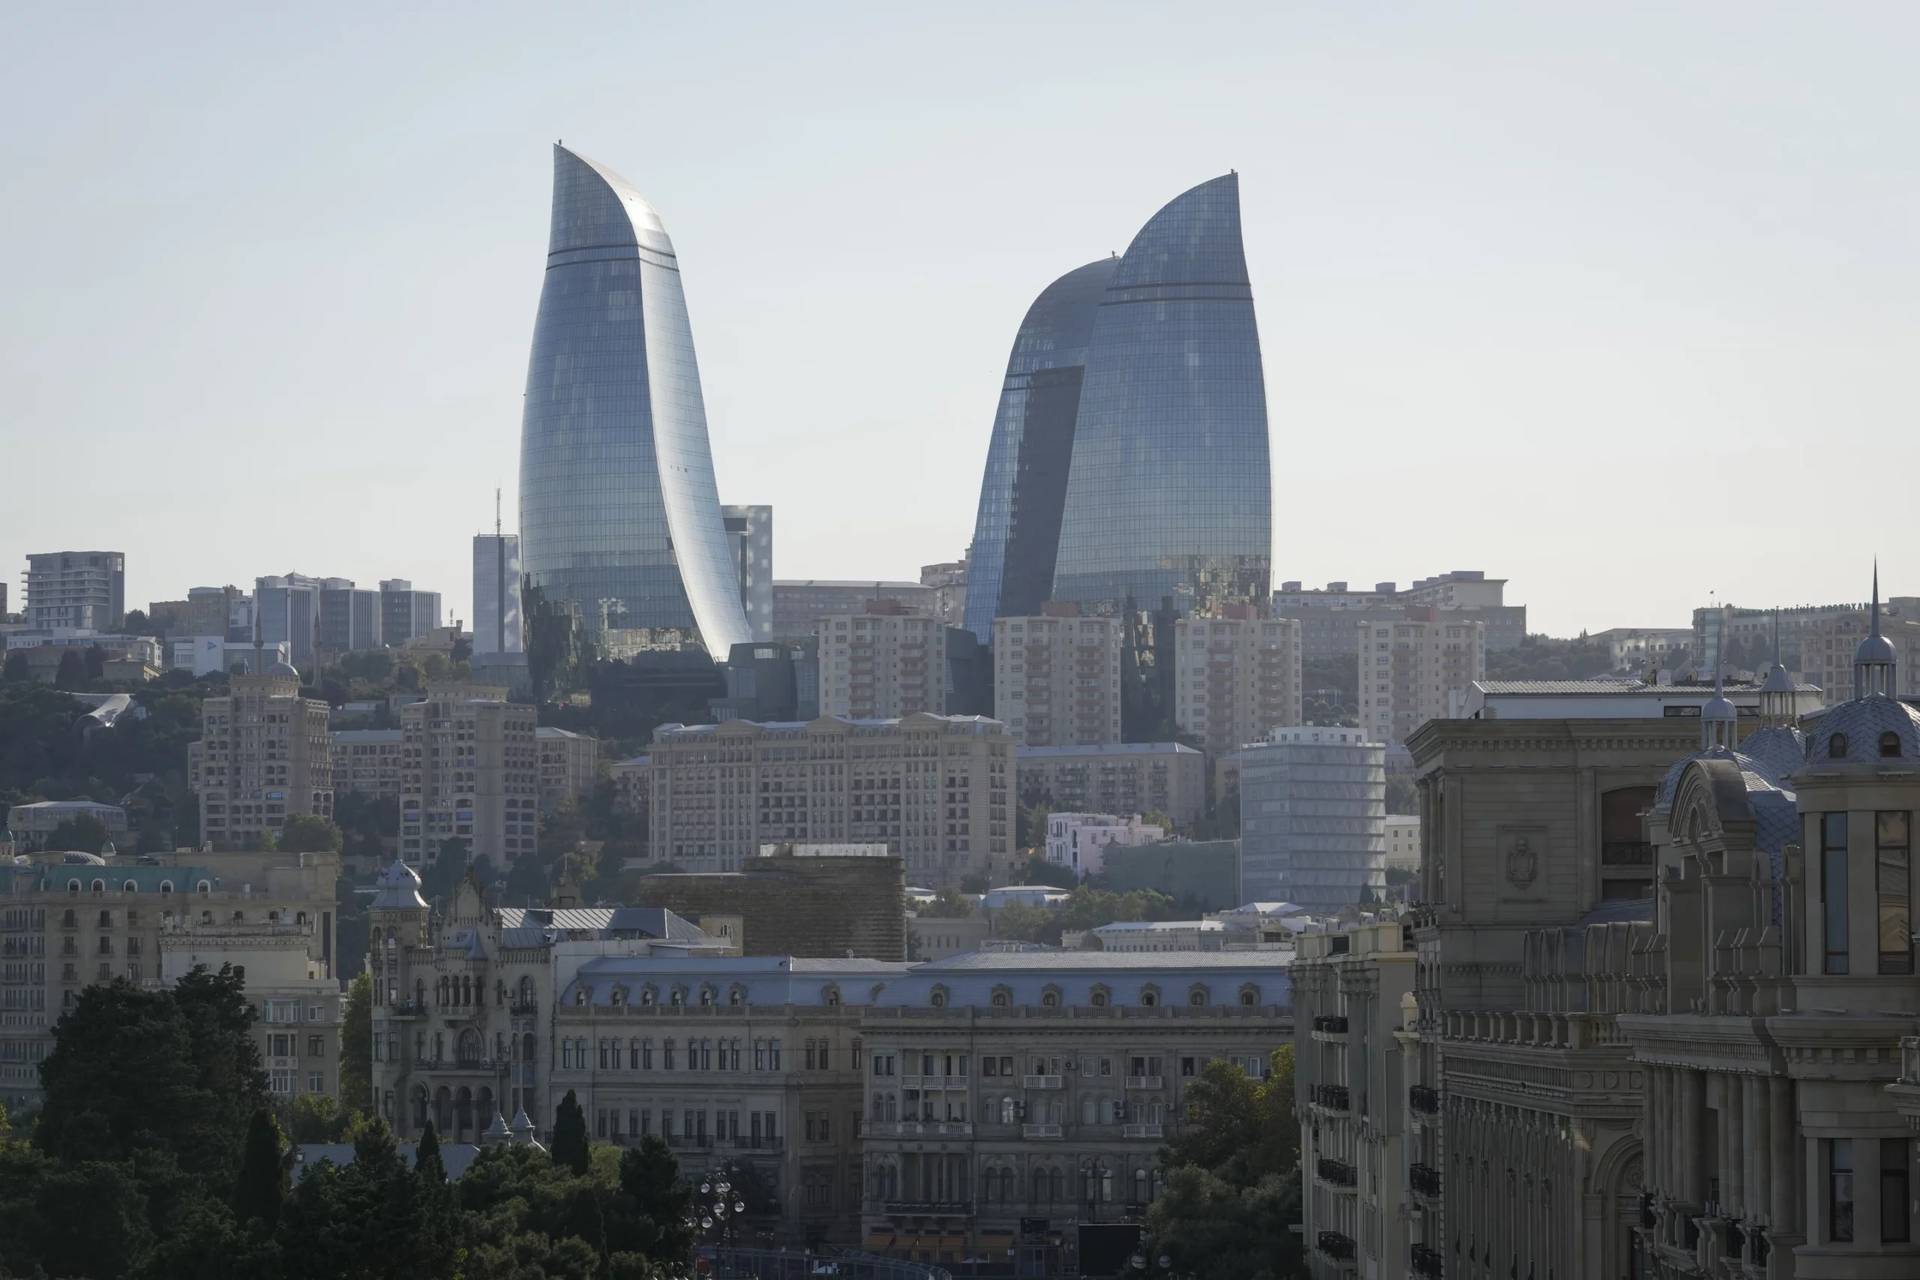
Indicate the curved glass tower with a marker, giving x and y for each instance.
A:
(619, 510)
(1170, 493)
(1010, 565)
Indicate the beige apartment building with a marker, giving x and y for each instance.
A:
(882, 665)
(470, 771)
(569, 765)
(1416, 670)
(1056, 678)
(1235, 678)
(1828, 641)
(264, 756)
(369, 761)
(1117, 777)
(937, 790)
(1352, 983)
(69, 920)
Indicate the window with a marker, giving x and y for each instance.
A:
(316, 1082)
(1840, 1190)
(1837, 747)
(1833, 890)
(315, 1047)
(1890, 743)
(1892, 874)
(1896, 1225)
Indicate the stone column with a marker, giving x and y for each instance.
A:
(1732, 1164)
(1692, 1090)
(1780, 1150)
(1753, 1204)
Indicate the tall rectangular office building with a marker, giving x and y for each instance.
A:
(496, 594)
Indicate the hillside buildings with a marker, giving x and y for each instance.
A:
(1415, 670)
(1097, 414)
(800, 603)
(630, 536)
(1236, 676)
(264, 756)
(937, 790)
(470, 771)
(1079, 841)
(1327, 615)
(1056, 677)
(1313, 818)
(1828, 642)
(1117, 777)
(1644, 649)
(811, 901)
(30, 826)
(76, 590)
(881, 665)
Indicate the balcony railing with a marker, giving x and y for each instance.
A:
(1039, 1130)
(1335, 1245)
(1334, 1097)
(1626, 853)
(918, 1129)
(1331, 1023)
(1427, 1261)
(1142, 1130)
(1146, 1082)
(407, 1009)
(1337, 1172)
(524, 1008)
(1424, 1179)
(1425, 1099)
(928, 1208)
(1040, 1082)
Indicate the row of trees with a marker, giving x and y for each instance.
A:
(158, 1154)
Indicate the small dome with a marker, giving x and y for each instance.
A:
(1875, 649)
(75, 858)
(1719, 707)
(284, 669)
(1777, 681)
(1857, 732)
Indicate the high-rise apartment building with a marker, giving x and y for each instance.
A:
(568, 764)
(881, 665)
(619, 508)
(937, 790)
(1117, 777)
(84, 590)
(406, 613)
(750, 538)
(1313, 808)
(1236, 676)
(1094, 491)
(948, 582)
(264, 756)
(1056, 677)
(496, 595)
(1327, 615)
(1416, 669)
(350, 618)
(369, 761)
(799, 604)
(470, 772)
(287, 609)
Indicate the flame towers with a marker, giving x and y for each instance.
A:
(1130, 454)
(619, 510)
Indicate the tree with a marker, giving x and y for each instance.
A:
(1237, 1126)
(83, 832)
(526, 880)
(570, 1135)
(650, 1174)
(1402, 795)
(16, 670)
(426, 1156)
(261, 1186)
(949, 904)
(307, 833)
(356, 1047)
(316, 1117)
(72, 671)
(1039, 871)
(96, 660)
(1030, 825)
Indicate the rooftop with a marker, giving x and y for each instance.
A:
(1108, 749)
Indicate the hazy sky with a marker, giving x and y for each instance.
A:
(1607, 299)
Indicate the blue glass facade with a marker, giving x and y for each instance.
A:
(1010, 565)
(1170, 494)
(619, 509)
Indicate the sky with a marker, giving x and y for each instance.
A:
(1608, 300)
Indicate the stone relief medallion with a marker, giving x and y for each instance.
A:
(1520, 852)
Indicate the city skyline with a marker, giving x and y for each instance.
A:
(1521, 256)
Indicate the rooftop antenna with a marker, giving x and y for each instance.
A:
(496, 511)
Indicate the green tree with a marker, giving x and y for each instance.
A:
(83, 832)
(426, 1156)
(526, 881)
(1402, 795)
(72, 671)
(261, 1186)
(16, 670)
(570, 1135)
(1206, 1226)
(356, 1047)
(96, 662)
(1038, 870)
(316, 1117)
(651, 1176)
(306, 833)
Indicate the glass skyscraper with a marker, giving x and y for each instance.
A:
(1168, 489)
(1010, 567)
(619, 510)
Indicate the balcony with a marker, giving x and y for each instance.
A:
(1330, 1027)
(1039, 1130)
(1427, 1262)
(1335, 1246)
(1424, 1179)
(918, 1129)
(1626, 853)
(524, 1008)
(1142, 1131)
(1333, 1097)
(1337, 1173)
(407, 1009)
(1040, 1082)
(1424, 1099)
(1146, 1082)
(928, 1208)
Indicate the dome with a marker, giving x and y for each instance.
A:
(399, 890)
(1777, 681)
(1851, 733)
(1719, 707)
(75, 858)
(284, 669)
(1775, 750)
(1876, 648)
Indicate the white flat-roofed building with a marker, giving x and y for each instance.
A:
(1078, 841)
(1162, 935)
(1614, 700)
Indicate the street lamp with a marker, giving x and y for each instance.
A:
(720, 1207)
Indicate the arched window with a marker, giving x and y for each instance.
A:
(938, 998)
(831, 997)
(1050, 998)
(1101, 997)
(1197, 997)
(204, 888)
(99, 886)
(1837, 747)
(619, 996)
(166, 886)
(73, 887)
(1002, 998)
(300, 918)
(1249, 996)
(648, 995)
(129, 887)
(706, 997)
(679, 998)
(1149, 997)
(1890, 743)
(736, 996)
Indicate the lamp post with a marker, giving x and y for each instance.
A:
(717, 1211)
